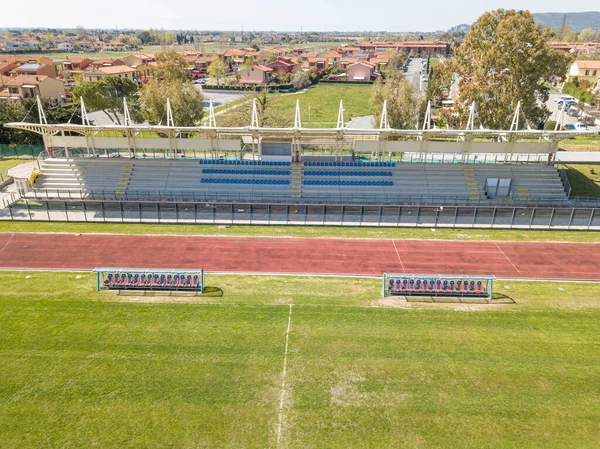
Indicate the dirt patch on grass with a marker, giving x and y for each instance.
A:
(439, 303)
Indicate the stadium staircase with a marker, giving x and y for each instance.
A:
(474, 191)
(297, 176)
(124, 178)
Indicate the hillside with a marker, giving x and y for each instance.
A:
(577, 20)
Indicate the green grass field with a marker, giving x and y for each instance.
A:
(324, 102)
(87, 369)
(304, 231)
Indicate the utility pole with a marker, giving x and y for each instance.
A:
(561, 32)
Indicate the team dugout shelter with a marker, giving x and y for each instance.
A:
(445, 286)
(149, 280)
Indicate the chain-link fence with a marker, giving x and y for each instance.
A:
(20, 151)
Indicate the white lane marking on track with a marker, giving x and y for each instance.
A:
(500, 249)
(9, 240)
(398, 254)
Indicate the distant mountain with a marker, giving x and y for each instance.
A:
(577, 20)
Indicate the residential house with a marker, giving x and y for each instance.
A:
(120, 71)
(360, 71)
(105, 62)
(30, 86)
(257, 74)
(319, 63)
(34, 69)
(333, 58)
(282, 65)
(348, 52)
(4, 80)
(110, 46)
(202, 62)
(142, 64)
(65, 46)
(423, 48)
(345, 62)
(577, 47)
(380, 62)
(584, 69)
(7, 64)
(76, 64)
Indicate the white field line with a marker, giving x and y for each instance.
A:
(514, 266)
(285, 353)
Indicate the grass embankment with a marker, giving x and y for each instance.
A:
(83, 369)
(304, 231)
(584, 179)
(583, 143)
(5, 164)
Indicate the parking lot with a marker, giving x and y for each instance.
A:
(567, 119)
(220, 97)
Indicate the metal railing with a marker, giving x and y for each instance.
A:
(254, 197)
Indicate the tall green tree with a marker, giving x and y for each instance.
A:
(107, 95)
(27, 111)
(216, 69)
(170, 66)
(404, 101)
(503, 60)
(171, 80)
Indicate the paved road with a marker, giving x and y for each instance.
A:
(365, 122)
(414, 72)
(220, 97)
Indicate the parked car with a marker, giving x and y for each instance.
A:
(565, 103)
(580, 126)
(588, 119)
(572, 112)
(569, 127)
(563, 98)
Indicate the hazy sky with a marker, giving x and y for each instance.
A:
(318, 15)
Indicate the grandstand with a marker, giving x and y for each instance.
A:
(206, 179)
(114, 168)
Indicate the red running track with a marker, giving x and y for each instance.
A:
(577, 261)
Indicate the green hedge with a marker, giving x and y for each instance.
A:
(249, 88)
(13, 151)
(345, 82)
